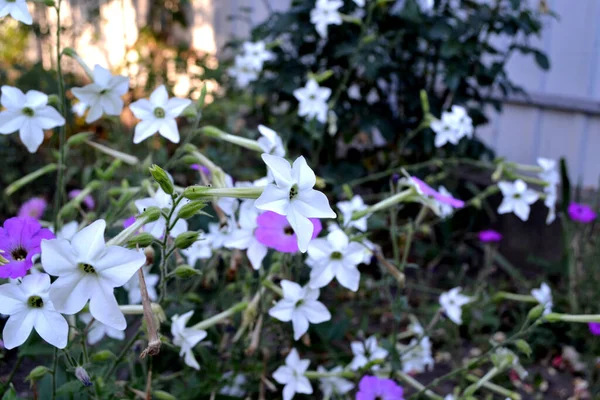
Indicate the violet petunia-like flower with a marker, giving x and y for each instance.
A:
(87, 200)
(374, 388)
(426, 190)
(274, 231)
(33, 208)
(20, 240)
(581, 213)
(594, 328)
(201, 168)
(490, 235)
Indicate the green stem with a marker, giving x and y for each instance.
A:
(525, 298)
(271, 286)
(54, 371)
(122, 354)
(207, 323)
(417, 385)
(383, 204)
(62, 130)
(13, 371)
(18, 184)
(341, 374)
(495, 388)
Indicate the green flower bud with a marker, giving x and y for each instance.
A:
(189, 160)
(192, 208)
(535, 313)
(162, 395)
(185, 271)
(186, 239)
(523, 347)
(195, 192)
(37, 373)
(142, 240)
(190, 111)
(189, 148)
(102, 356)
(54, 101)
(162, 178)
(152, 213)
(79, 138)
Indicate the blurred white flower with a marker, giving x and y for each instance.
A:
(324, 14)
(103, 95)
(360, 3)
(551, 176)
(79, 108)
(334, 385)
(200, 250)
(445, 210)
(292, 376)
(313, 101)
(186, 338)
(158, 227)
(299, 305)
(354, 92)
(544, 296)
(452, 302)
(349, 207)
(218, 234)
(133, 286)
(98, 330)
(17, 9)
(270, 141)
(418, 359)
(517, 198)
(257, 54)
(243, 70)
(366, 352)
(235, 385)
(453, 126)
(67, 231)
(372, 96)
(28, 113)
(158, 115)
(243, 237)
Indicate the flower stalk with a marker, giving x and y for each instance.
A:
(383, 204)
(216, 133)
(207, 323)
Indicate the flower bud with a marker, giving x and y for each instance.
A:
(189, 160)
(190, 209)
(152, 213)
(185, 271)
(162, 178)
(37, 373)
(162, 395)
(523, 347)
(79, 138)
(186, 239)
(102, 356)
(54, 101)
(195, 192)
(536, 312)
(82, 375)
(143, 240)
(189, 148)
(190, 111)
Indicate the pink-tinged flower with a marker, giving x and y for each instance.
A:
(594, 328)
(428, 191)
(274, 231)
(87, 200)
(33, 208)
(490, 235)
(581, 213)
(20, 240)
(374, 388)
(200, 168)
(129, 221)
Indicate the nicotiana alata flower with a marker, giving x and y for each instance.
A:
(313, 101)
(158, 227)
(299, 305)
(374, 388)
(243, 238)
(88, 200)
(218, 234)
(270, 142)
(324, 14)
(365, 352)
(274, 231)
(453, 126)
(550, 202)
(33, 208)
(544, 296)
(419, 358)
(68, 230)
(293, 195)
(103, 95)
(17, 9)
(28, 113)
(581, 213)
(133, 286)
(551, 176)
(354, 92)
(235, 385)
(372, 96)
(335, 257)
(446, 210)
(292, 376)
(334, 385)
(20, 240)
(360, 3)
(186, 338)
(517, 198)
(29, 307)
(489, 235)
(79, 108)
(87, 269)
(243, 70)
(97, 330)
(200, 250)
(158, 115)
(257, 54)
(452, 302)
(432, 198)
(349, 207)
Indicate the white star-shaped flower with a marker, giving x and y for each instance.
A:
(544, 296)
(334, 385)
(293, 195)
(98, 330)
(158, 227)
(133, 286)
(67, 231)
(324, 14)
(452, 302)
(270, 142)
(453, 126)
(17, 9)
(257, 54)
(365, 352)
(292, 376)
(299, 305)
(418, 359)
(200, 250)
(29, 307)
(103, 95)
(313, 101)
(158, 115)
(445, 210)
(89, 270)
(349, 207)
(335, 257)
(517, 198)
(243, 70)
(243, 238)
(28, 113)
(550, 171)
(186, 338)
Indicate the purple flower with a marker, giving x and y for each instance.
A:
(490, 235)
(594, 328)
(581, 213)
(201, 168)
(428, 191)
(374, 388)
(274, 231)
(129, 221)
(395, 177)
(20, 239)
(87, 200)
(33, 208)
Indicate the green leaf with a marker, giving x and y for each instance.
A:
(542, 60)
(70, 387)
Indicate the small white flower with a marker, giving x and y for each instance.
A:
(544, 296)
(335, 257)
(372, 96)
(158, 227)
(243, 238)
(550, 202)
(186, 338)
(243, 70)
(158, 115)
(324, 14)
(220, 234)
(354, 92)
(313, 101)
(365, 352)
(133, 286)
(292, 376)
(452, 302)
(418, 359)
(200, 250)
(334, 385)
(257, 54)
(29, 307)
(79, 108)
(17, 9)
(270, 142)
(299, 305)
(517, 198)
(445, 210)
(453, 126)
(293, 195)
(89, 270)
(28, 113)
(360, 3)
(67, 231)
(235, 385)
(103, 95)
(550, 171)
(349, 207)
(98, 330)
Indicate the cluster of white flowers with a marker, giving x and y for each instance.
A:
(551, 176)
(454, 125)
(249, 64)
(313, 101)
